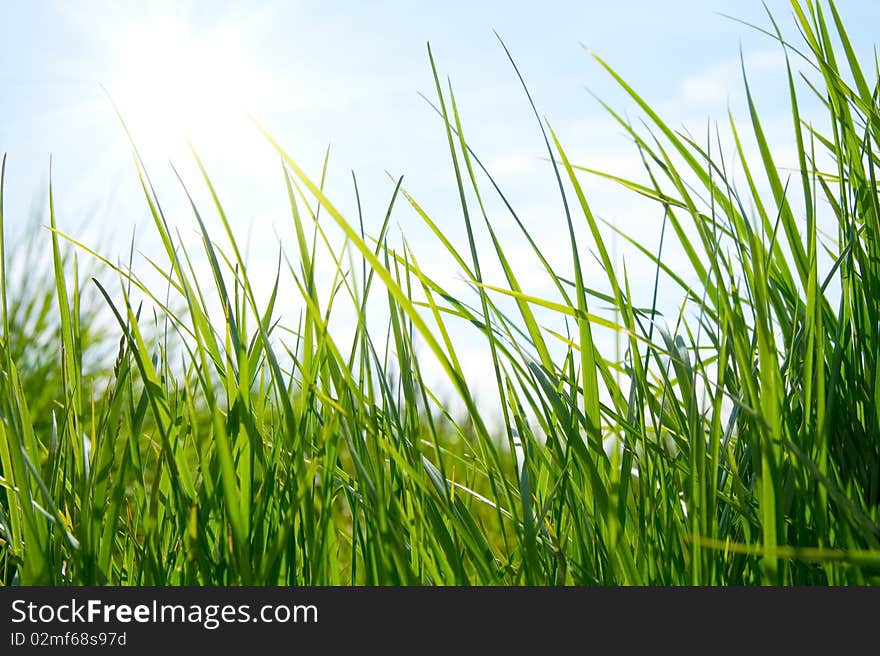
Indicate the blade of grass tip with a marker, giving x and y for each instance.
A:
(799, 137)
(757, 28)
(792, 232)
(219, 282)
(589, 375)
(642, 190)
(368, 272)
(554, 277)
(266, 318)
(68, 346)
(360, 214)
(307, 266)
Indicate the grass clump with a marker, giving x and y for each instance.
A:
(735, 443)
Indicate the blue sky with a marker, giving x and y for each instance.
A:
(349, 74)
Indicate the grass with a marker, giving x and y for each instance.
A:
(736, 443)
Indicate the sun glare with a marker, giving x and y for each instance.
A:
(174, 85)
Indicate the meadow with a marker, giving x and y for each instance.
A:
(736, 442)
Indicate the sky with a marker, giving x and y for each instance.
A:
(349, 75)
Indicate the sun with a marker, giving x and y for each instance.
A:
(174, 84)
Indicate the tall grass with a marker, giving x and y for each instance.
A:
(735, 443)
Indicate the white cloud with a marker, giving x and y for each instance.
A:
(718, 82)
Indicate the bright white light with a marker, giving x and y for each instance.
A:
(175, 85)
